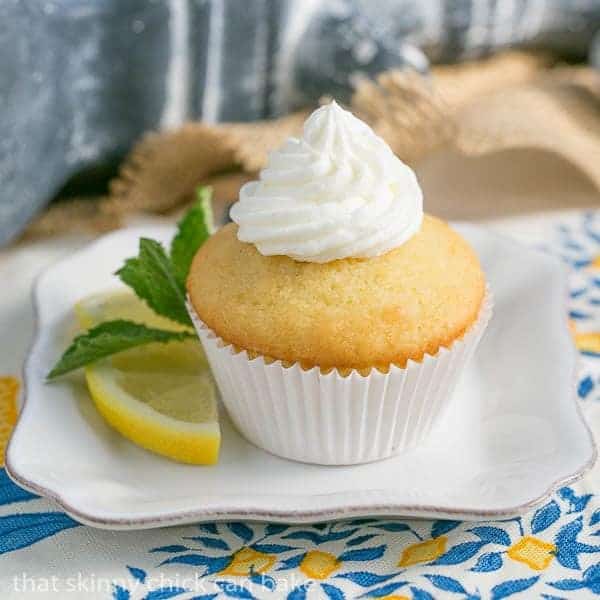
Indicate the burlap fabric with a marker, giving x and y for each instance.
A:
(542, 114)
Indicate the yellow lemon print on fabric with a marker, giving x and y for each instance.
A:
(595, 264)
(423, 551)
(535, 553)
(319, 565)
(246, 560)
(588, 342)
(9, 390)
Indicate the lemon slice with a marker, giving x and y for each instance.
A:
(160, 396)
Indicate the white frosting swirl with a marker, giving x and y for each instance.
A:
(337, 192)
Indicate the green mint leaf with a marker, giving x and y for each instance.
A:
(109, 338)
(152, 278)
(192, 231)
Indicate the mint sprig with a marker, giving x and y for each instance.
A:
(159, 280)
(192, 231)
(109, 338)
(151, 276)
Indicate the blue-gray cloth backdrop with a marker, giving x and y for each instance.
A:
(81, 80)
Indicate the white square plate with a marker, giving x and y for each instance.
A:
(513, 435)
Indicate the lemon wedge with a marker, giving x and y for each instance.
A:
(160, 396)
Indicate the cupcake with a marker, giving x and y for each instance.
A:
(335, 315)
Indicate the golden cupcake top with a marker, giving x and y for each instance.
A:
(348, 313)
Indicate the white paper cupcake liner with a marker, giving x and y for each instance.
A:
(331, 419)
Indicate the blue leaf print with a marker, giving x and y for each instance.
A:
(441, 527)
(508, 588)
(361, 539)
(576, 503)
(545, 516)
(195, 560)
(275, 529)
(233, 590)
(334, 536)
(205, 597)
(459, 553)
(574, 246)
(11, 492)
(493, 535)
(587, 226)
(311, 536)
(567, 584)
(591, 576)
(365, 578)
(272, 548)
(586, 385)
(577, 293)
(567, 545)
(298, 593)
(419, 594)
(292, 562)
(22, 530)
(120, 593)
(587, 549)
(492, 561)
(385, 590)
(263, 580)
(362, 521)
(320, 538)
(164, 593)
(213, 543)
(217, 564)
(332, 592)
(213, 565)
(209, 528)
(138, 574)
(579, 264)
(363, 553)
(447, 584)
(172, 548)
(578, 315)
(592, 573)
(393, 527)
(242, 531)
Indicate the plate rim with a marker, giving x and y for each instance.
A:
(345, 510)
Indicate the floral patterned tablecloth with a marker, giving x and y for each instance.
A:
(552, 552)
